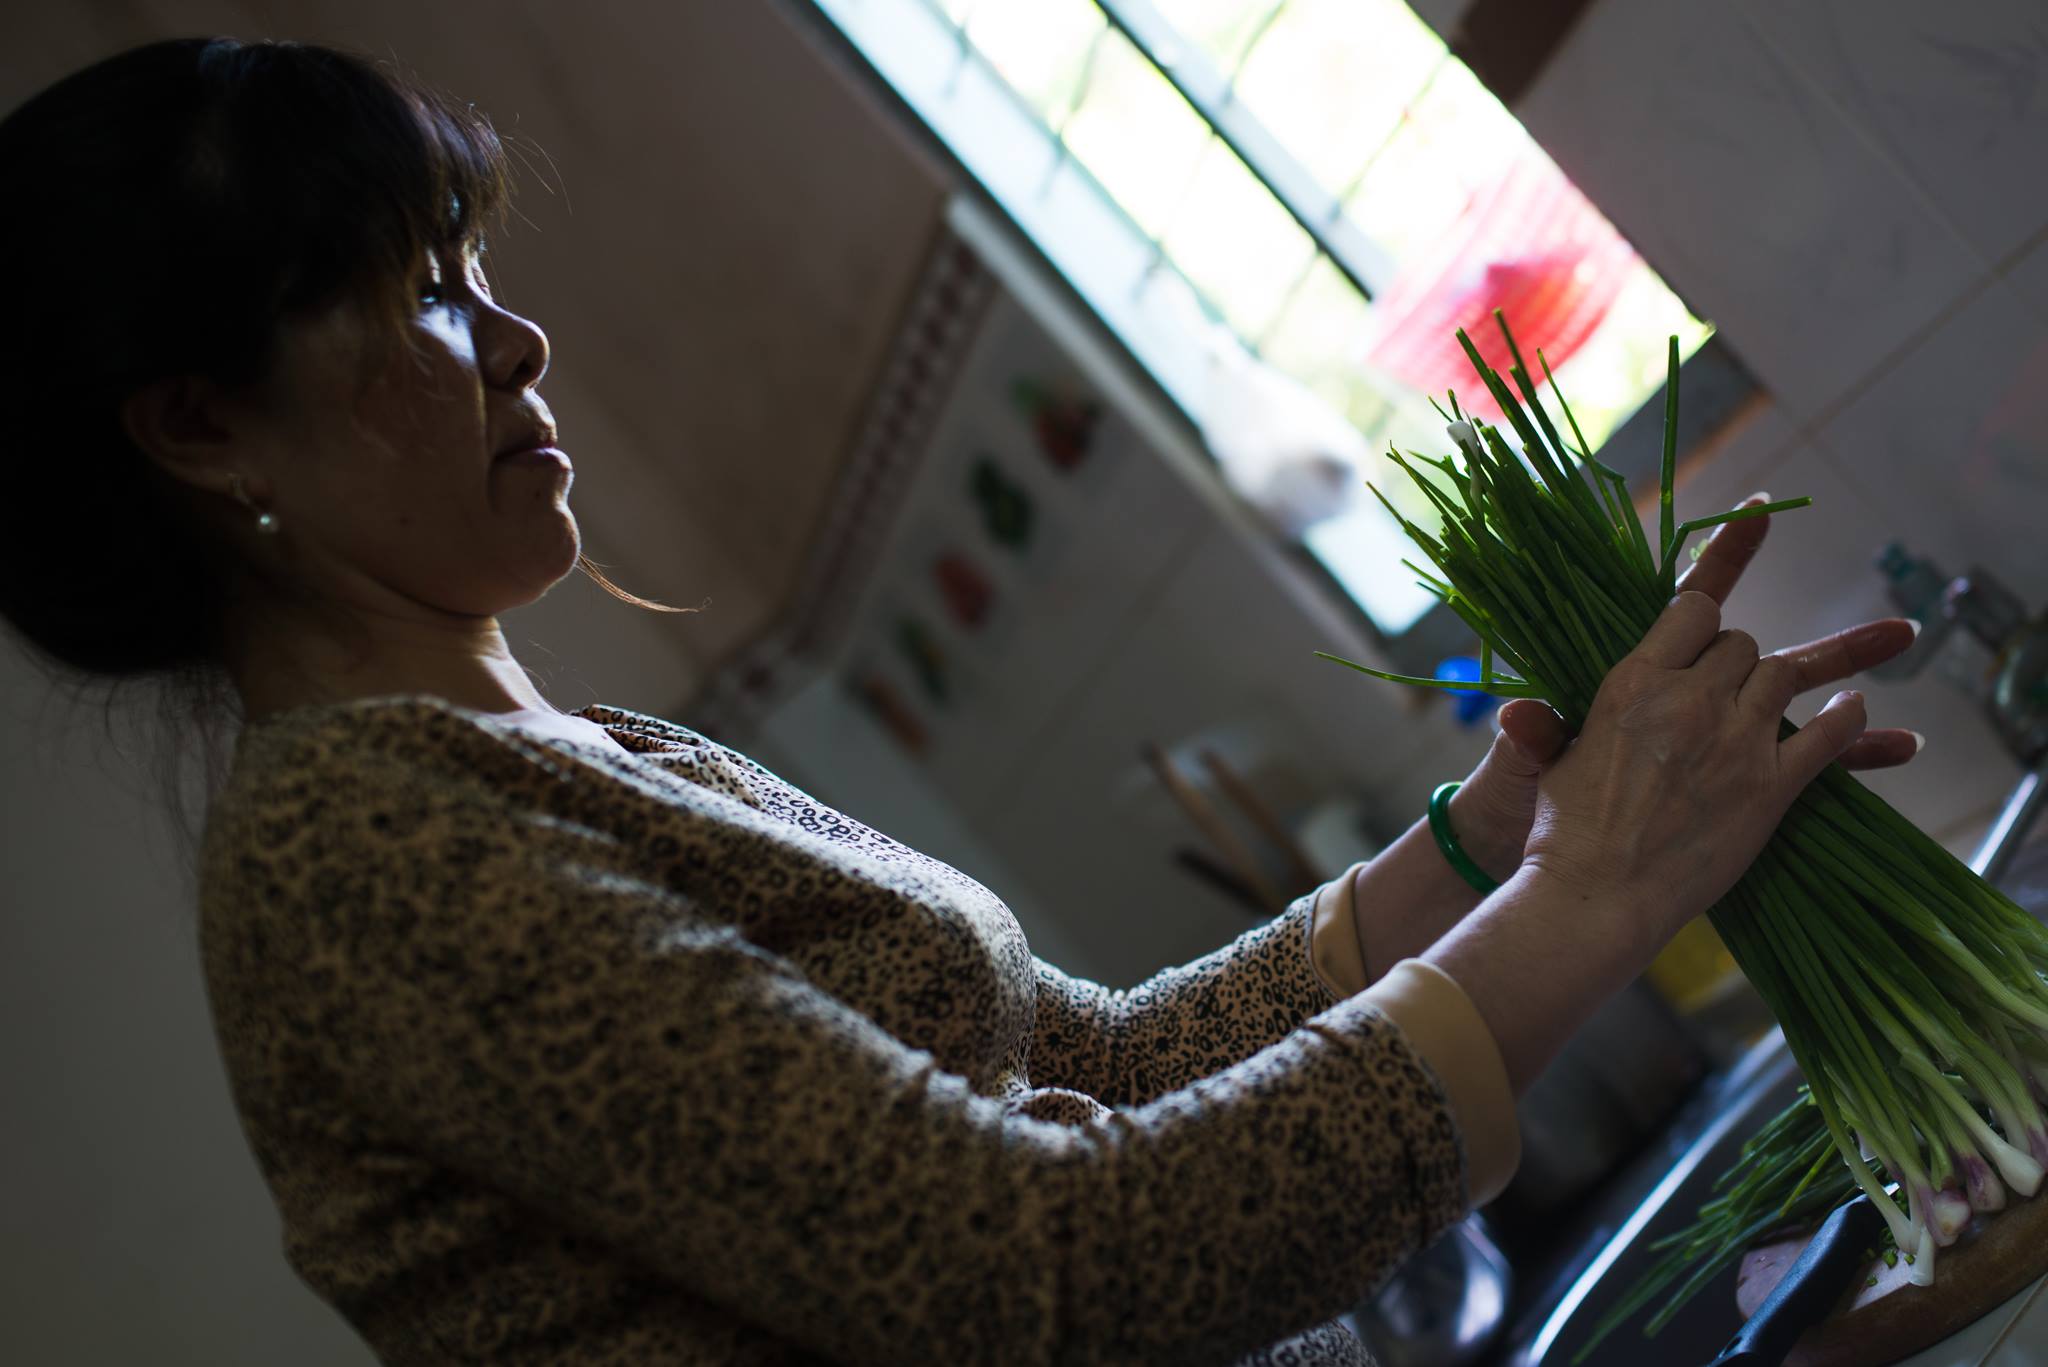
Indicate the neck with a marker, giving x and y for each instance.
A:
(461, 659)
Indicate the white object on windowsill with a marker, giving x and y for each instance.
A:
(1281, 446)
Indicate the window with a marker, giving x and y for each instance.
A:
(1315, 188)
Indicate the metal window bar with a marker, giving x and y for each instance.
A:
(1063, 156)
(1210, 91)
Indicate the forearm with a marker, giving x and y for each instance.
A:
(1409, 896)
(1538, 958)
(1186, 1022)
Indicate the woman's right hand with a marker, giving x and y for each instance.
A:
(1678, 778)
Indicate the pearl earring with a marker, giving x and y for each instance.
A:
(266, 521)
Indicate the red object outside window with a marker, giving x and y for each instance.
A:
(1529, 245)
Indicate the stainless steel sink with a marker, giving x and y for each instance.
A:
(1631, 1219)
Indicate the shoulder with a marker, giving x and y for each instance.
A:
(416, 729)
(348, 824)
(314, 791)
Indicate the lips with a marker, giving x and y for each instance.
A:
(537, 455)
(548, 464)
(533, 439)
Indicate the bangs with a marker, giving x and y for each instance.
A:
(352, 171)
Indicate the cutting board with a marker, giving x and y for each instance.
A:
(1997, 1257)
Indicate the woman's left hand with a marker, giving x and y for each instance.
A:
(1493, 809)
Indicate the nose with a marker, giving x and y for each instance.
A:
(515, 348)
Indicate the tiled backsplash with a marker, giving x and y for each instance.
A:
(1953, 96)
(1739, 181)
(1815, 575)
(2029, 278)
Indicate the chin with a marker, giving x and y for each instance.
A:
(543, 568)
(565, 563)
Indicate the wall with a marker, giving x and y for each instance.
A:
(136, 1228)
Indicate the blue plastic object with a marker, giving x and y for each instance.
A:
(1469, 706)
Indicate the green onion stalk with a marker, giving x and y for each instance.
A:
(1788, 1175)
(1911, 993)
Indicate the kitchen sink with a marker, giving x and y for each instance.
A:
(1660, 1193)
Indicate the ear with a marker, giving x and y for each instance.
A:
(179, 424)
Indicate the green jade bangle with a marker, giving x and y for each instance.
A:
(1447, 841)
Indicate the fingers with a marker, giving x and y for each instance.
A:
(1810, 749)
(1834, 658)
(1684, 629)
(1727, 553)
(1770, 687)
(1536, 732)
(1729, 659)
(1882, 748)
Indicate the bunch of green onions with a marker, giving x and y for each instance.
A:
(1911, 992)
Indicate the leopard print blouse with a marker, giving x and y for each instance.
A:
(555, 1055)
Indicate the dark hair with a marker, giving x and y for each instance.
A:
(171, 207)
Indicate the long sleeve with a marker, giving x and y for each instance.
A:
(1127, 1046)
(1194, 1019)
(599, 1049)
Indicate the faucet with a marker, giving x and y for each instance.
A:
(2013, 688)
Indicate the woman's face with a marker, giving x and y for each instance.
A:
(392, 496)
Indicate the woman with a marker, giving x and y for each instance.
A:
(576, 1037)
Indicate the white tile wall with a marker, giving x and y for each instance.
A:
(1815, 575)
(1103, 537)
(585, 646)
(1815, 571)
(1951, 443)
(1744, 185)
(1126, 536)
(1400, 797)
(2029, 275)
(1224, 655)
(1952, 96)
(1737, 464)
(824, 745)
(1097, 841)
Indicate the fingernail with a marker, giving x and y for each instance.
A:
(1918, 741)
(1758, 497)
(1915, 623)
